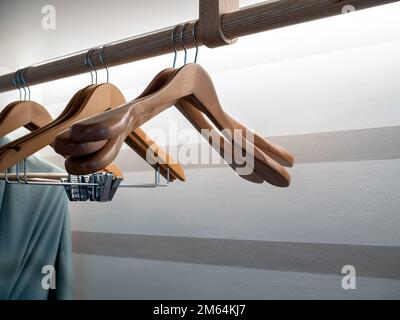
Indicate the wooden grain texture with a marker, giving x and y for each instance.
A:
(210, 14)
(244, 22)
(285, 13)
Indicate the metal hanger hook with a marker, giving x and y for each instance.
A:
(173, 45)
(103, 62)
(21, 83)
(183, 42)
(195, 41)
(89, 65)
(16, 84)
(24, 82)
(92, 64)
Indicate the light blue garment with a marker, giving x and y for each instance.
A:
(34, 233)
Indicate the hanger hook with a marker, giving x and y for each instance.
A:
(92, 64)
(21, 83)
(16, 83)
(173, 45)
(103, 62)
(183, 42)
(195, 41)
(24, 82)
(89, 65)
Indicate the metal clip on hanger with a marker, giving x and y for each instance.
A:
(99, 186)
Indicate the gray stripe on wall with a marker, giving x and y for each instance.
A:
(340, 146)
(336, 146)
(369, 261)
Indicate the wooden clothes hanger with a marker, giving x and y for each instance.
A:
(28, 114)
(87, 102)
(197, 119)
(69, 149)
(32, 116)
(190, 80)
(199, 122)
(22, 113)
(278, 153)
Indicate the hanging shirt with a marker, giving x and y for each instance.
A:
(35, 239)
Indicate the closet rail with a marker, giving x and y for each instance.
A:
(246, 21)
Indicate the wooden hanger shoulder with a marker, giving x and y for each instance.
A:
(14, 144)
(28, 114)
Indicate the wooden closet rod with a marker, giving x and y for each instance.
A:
(246, 21)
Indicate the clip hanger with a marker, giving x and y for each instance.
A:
(99, 186)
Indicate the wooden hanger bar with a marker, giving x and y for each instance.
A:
(246, 21)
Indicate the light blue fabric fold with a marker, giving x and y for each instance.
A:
(34, 233)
